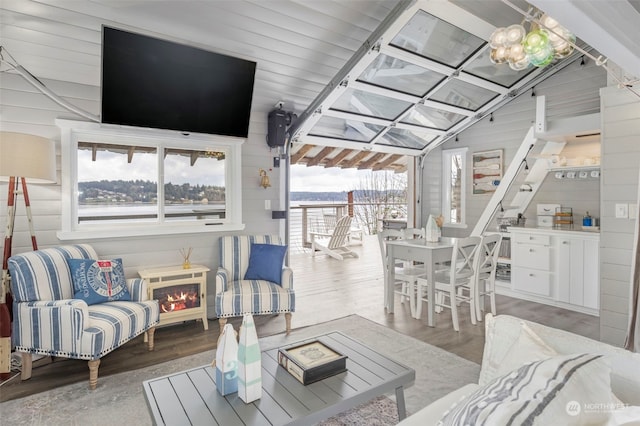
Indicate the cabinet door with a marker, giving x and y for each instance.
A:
(571, 270)
(577, 271)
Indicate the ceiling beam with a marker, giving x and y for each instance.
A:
(371, 161)
(333, 162)
(320, 156)
(299, 154)
(354, 161)
(386, 162)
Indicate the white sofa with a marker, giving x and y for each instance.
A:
(511, 342)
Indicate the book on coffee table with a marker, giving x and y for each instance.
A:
(311, 361)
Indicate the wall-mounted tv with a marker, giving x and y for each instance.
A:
(149, 82)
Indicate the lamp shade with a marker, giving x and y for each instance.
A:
(28, 156)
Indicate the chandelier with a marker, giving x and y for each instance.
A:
(546, 40)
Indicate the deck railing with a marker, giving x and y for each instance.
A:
(307, 218)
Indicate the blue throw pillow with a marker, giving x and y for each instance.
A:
(265, 262)
(98, 281)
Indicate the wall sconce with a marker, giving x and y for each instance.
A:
(264, 179)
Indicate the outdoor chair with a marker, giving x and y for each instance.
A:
(337, 244)
(356, 233)
(252, 279)
(52, 315)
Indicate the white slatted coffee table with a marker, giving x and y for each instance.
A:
(191, 398)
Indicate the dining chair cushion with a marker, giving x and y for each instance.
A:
(98, 281)
(265, 262)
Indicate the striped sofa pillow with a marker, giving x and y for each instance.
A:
(568, 390)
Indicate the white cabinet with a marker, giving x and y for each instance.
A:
(531, 263)
(578, 270)
(556, 267)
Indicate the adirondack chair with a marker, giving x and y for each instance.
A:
(336, 245)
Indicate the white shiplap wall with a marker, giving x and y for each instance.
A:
(298, 48)
(23, 110)
(620, 167)
(571, 92)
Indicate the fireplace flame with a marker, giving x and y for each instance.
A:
(177, 298)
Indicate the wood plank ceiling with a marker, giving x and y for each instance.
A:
(299, 47)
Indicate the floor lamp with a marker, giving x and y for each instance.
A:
(23, 158)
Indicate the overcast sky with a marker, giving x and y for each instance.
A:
(320, 179)
(113, 166)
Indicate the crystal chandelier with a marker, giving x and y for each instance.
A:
(546, 40)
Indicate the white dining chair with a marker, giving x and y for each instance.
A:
(454, 284)
(405, 274)
(485, 269)
(413, 233)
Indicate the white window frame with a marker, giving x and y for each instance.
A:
(446, 185)
(74, 131)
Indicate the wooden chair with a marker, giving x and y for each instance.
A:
(405, 275)
(485, 269)
(455, 284)
(336, 245)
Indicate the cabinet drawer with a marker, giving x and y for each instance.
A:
(531, 281)
(531, 256)
(543, 240)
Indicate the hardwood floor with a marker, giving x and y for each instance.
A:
(326, 289)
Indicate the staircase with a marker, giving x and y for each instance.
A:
(554, 136)
(536, 174)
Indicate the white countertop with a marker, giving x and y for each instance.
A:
(553, 231)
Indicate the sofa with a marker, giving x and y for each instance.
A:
(534, 374)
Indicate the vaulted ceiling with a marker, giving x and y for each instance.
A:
(304, 49)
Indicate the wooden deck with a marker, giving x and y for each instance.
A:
(326, 289)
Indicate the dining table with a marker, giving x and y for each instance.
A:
(417, 250)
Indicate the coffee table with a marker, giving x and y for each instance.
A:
(190, 397)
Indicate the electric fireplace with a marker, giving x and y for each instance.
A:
(181, 293)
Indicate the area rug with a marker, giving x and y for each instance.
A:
(119, 398)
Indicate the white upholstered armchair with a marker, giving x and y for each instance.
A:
(251, 278)
(48, 320)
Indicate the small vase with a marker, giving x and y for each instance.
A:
(432, 232)
(186, 264)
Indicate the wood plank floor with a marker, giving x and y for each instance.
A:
(326, 289)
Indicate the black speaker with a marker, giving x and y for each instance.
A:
(276, 131)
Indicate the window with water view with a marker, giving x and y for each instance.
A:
(126, 183)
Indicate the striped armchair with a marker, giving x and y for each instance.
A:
(47, 319)
(236, 296)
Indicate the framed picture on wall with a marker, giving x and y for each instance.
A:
(487, 171)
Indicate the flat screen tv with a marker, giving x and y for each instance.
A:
(148, 82)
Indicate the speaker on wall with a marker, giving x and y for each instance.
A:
(278, 122)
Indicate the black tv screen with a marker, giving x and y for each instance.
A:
(148, 82)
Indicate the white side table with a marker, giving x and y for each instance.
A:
(182, 293)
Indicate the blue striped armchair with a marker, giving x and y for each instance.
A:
(47, 320)
(236, 296)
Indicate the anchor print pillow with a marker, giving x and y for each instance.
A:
(98, 281)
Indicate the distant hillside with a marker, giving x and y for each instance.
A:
(340, 197)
